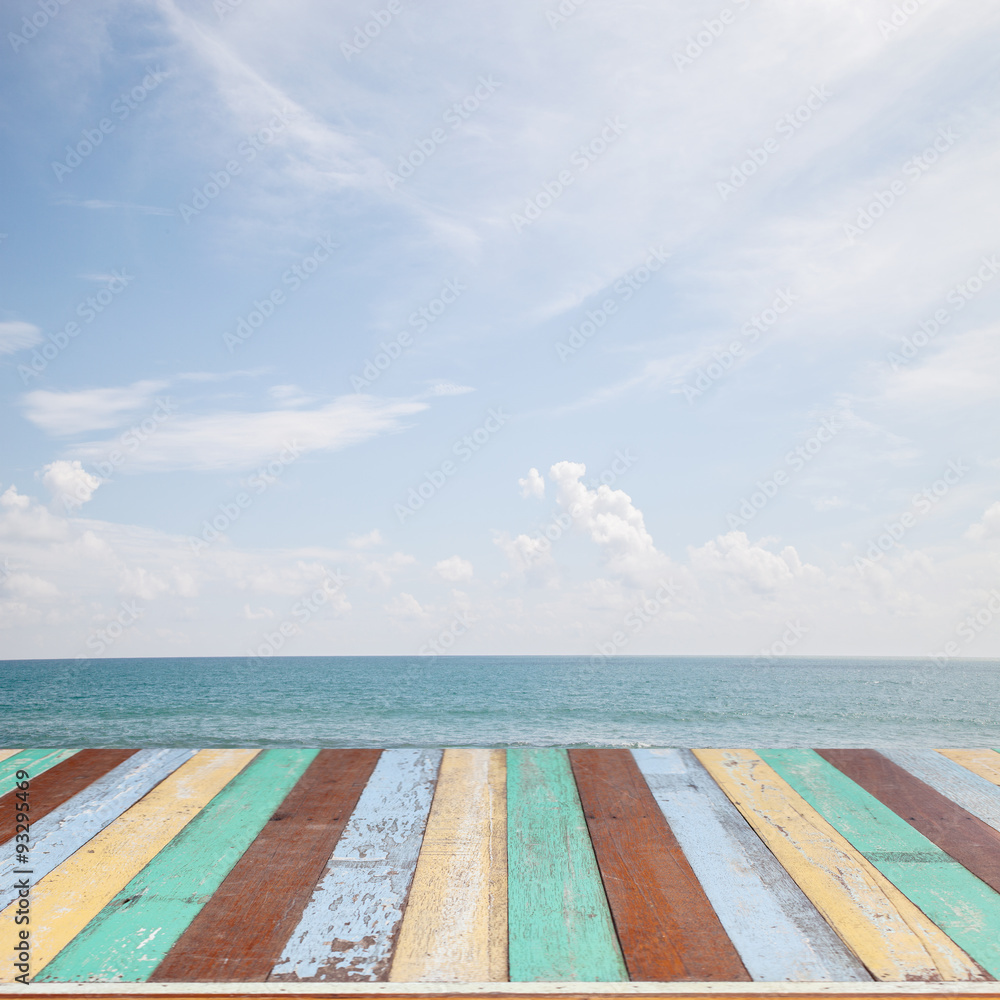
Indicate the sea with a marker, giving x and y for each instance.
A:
(499, 701)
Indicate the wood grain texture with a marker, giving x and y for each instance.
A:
(893, 938)
(958, 902)
(666, 927)
(129, 938)
(985, 763)
(779, 934)
(560, 924)
(68, 828)
(455, 925)
(348, 929)
(53, 787)
(955, 830)
(971, 791)
(67, 899)
(4, 754)
(35, 762)
(240, 933)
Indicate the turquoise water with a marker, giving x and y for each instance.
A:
(497, 701)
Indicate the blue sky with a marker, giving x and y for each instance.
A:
(587, 327)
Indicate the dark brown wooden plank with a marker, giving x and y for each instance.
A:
(955, 830)
(239, 934)
(666, 925)
(58, 784)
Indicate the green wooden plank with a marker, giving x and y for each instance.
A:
(129, 938)
(962, 905)
(560, 927)
(35, 762)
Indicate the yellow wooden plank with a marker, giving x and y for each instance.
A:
(4, 754)
(893, 938)
(455, 925)
(985, 763)
(65, 901)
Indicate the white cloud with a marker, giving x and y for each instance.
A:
(15, 336)
(611, 520)
(735, 563)
(449, 389)
(964, 369)
(373, 537)
(533, 485)
(82, 410)
(988, 528)
(406, 607)
(236, 441)
(454, 568)
(69, 483)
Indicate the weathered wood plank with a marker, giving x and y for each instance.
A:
(958, 902)
(893, 938)
(666, 926)
(129, 938)
(560, 924)
(35, 762)
(4, 754)
(971, 791)
(81, 818)
(779, 934)
(455, 925)
(955, 830)
(349, 928)
(985, 763)
(58, 784)
(240, 933)
(67, 899)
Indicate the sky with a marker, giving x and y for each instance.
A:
(563, 326)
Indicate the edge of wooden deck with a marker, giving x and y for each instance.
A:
(523, 991)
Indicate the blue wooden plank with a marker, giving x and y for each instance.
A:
(348, 928)
(779, 934)
(66, 829)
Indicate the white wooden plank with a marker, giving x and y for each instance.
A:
(779, 934)
(969, 790)
(348, 928)
(79, 819)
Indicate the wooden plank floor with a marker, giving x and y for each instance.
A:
(387, 871)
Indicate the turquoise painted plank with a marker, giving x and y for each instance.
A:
(349, 927)
(35, 762)
(969, 790)
(963, 906)
(129, 938)
(560, 926)
(779, 934)
(81, 818)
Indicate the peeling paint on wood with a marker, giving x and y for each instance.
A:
(129, 938)
(893, 938)
(455, 925)
(955, 830)
(959, 903)
(349, 927)
(777, 931)
(35, 762)
(239, 934)
(970, 790)
(67, 899)
(67, 829)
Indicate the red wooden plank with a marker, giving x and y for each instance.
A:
(956, 831)
(239, 934)
(666, 925)
(58, 784)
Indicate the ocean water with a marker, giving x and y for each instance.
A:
(498, 701)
